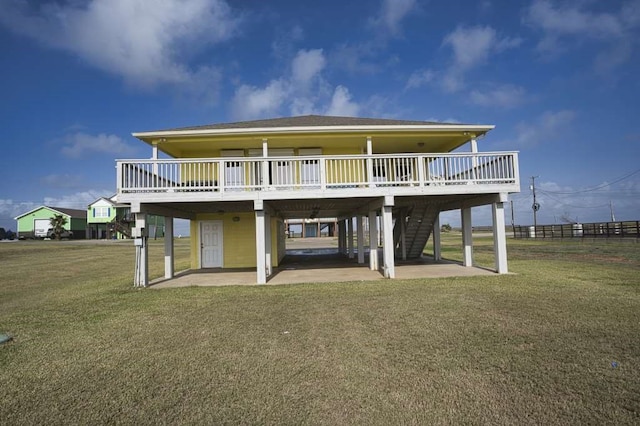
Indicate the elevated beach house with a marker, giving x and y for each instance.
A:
(238, 182)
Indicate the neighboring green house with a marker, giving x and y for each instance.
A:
(37, 222)
(106, 219)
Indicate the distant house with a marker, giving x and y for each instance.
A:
(311, 228)
(106, 219)
(36, 223)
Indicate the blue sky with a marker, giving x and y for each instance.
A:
(559, 79)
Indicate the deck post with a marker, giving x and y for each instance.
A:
(467, 237)
(403, 232)
(370, 162)
(261, 273)
(345, 247)
(499, 238)
(360, 232)
(154, 157)
(265, 164)
(350, 237)
(168, 247)
(474, 159)
(267, 244)
(387, 223)
(373, 240)
(119, 176)
(437, 241)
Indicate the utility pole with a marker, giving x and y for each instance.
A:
(613, 216)
(535, 206)
(513, 222)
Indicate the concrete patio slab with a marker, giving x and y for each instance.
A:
(318, 268)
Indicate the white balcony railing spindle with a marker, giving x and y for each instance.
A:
(323, 173)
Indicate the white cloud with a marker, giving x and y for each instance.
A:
(547, 128)
(450, 120)
(250, 102)
(613, 57)
(571, 20)
(504, 96)
(302, 91)
(565, 24)
(283, 45)
(203, 86)
(356, 58)
(630, 14)
(302, 105)
(472, 46)
(420, 78)
(79, 200)
(452, 81)
(76, 145)
(391, 14)
(142, 41)
(63, 180)
(10, 209)
(307, 65)
(341, 103)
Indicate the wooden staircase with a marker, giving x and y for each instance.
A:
(121, 226)
(419, 225)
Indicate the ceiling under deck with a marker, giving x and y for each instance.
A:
(312, 208)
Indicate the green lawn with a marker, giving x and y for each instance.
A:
(558, 342)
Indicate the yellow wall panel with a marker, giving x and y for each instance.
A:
(239, 239)
(353, 150)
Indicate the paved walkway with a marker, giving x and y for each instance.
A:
(316, 260)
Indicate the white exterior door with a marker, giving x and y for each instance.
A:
(211, 248)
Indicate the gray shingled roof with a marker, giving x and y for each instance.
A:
(307, 121)
(70, 212)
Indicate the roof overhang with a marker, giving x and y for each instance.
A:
(434, 128)
(439, 137)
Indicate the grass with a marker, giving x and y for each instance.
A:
(535, 347)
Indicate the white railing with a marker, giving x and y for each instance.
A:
(316, 172)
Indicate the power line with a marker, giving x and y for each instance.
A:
(595, 188)
(571, 205)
